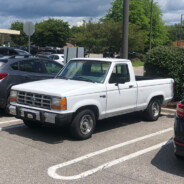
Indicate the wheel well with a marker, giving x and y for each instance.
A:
(94, 108)
(159, 97)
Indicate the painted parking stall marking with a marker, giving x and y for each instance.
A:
(11, 126)
(52, 170)
(10, 121)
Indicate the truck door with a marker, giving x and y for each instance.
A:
(121, 91)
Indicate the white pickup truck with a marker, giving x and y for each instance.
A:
(87, 90)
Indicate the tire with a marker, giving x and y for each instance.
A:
(153, 110)
(7, 105)
(178, 156)
(32, 124)
(83, 124)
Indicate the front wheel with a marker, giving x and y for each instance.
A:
(153, 110)
(83, 124)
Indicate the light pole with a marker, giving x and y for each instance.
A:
(151, 20)
(181, 30)
(124, 51)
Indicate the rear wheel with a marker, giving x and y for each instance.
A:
(32, 124)
(83, 124)
(153, 110)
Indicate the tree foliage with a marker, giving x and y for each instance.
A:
(51, 32)
(97, 36)
(21, 39)
(139, 14)
(167, 62)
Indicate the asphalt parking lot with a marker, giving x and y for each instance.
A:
(125, 149)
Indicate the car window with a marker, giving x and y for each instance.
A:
(51, 57)
(51, 67)
(4, 51)
(31, 66)
(56, 57)
(120, 71)
(22, 52)
(93, 71)
(15, 66)
(12, 52)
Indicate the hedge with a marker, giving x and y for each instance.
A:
(167, 62)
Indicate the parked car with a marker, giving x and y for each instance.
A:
(179, 130)
(87, 90)
(9, 51)
(58, 58)
(108, 53)
(43, 54)
(17, 71)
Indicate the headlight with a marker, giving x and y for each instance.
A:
(59, 103)
(13, 96)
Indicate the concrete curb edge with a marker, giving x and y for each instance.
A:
(168, 111)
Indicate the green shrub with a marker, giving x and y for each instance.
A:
(167, 62)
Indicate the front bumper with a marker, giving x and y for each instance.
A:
(179, 136)
(40, 116)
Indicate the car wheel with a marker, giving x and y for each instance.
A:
(32, 124)
(153, 110)
(7, 105)
(83, 124)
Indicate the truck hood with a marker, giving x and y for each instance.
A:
(60, 87)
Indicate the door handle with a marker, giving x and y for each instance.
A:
(131, 86)
(103, 96)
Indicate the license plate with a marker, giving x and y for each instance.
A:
(30, 116)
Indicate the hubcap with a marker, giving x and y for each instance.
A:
(155, 109)
(86, 124)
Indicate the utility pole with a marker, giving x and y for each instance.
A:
(181, 30)
(151, 20)
(124, 51)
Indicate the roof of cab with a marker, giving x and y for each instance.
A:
(103, 59)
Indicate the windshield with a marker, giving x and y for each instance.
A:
(22, 52)
(91, 71)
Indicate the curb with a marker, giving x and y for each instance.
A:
(168, 111)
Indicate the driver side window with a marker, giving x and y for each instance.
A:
(120, 73)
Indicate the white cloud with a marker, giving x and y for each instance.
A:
(172, 10)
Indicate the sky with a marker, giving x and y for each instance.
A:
(73, 11)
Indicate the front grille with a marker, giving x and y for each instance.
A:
(33, 99)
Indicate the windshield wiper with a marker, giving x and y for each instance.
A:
(62, 78)
(82, 79)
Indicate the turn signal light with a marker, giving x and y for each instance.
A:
(180, 110)
(61, 106)
(13, 99)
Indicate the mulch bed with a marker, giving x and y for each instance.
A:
(170, 105)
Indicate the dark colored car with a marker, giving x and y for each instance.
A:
(179, 130)
(108, 53)
(16, 71)
(9, 51)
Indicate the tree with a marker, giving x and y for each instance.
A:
(139, 15)
(96, 37)
(52, 32)
(18, 39)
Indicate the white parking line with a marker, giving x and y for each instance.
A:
(10, 127)
(10, 121)
(52, 170)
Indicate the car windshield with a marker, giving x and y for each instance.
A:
(90, 71)
(22, 52)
